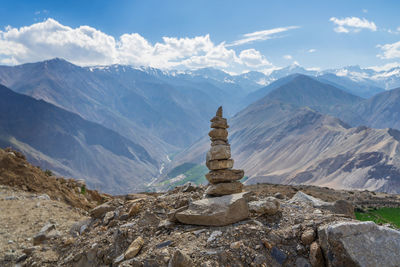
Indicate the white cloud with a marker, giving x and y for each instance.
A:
(261, 35)
(352, 24)
(88, 46)
(365, 10)
(385, 67)
(390, 50)
(312, 50)
(288, 57)
(253, 58)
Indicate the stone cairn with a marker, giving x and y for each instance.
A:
(223, 179)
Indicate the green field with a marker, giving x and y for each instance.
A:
(381, 215)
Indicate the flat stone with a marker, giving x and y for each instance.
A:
(218, 134)
(359, 244)
(224, 189)
(219, 142)
(216, 211)
(219, 164)
(221, 176)
(219, 152)
(218, 122)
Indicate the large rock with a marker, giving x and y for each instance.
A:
(338, 207)
(218, 134)
(216, 211)
(219, 152)
(360, 244)
(219, 164)
(224, 189)
(222, 176)
(269, 206)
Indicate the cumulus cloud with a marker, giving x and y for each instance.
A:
(288, 57)
(261, 35)
(312, 50)
(86, 46)
(352, 24)
(390, 51)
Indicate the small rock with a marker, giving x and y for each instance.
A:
(308, 237)
(302, 262)
(267, 244)
(279, 195)
(43, 234)
(179, 259)
(99, 211)
(43, 197)
(134, 248)
(269, 206)
(236, 245)
(214, 235)
(108, 217)
(316, 258)
(278, 255)
(164, 244)
(135, 209)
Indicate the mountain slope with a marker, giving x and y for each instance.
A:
(70, 145)
(380, 111)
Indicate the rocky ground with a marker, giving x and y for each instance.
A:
(286, 227)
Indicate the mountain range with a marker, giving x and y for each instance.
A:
(67, 144)
(288, 137)
(136, 120)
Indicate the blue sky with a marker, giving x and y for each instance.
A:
(231, 35)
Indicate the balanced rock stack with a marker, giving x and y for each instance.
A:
(223, 179)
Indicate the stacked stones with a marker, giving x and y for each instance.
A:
(223, 179)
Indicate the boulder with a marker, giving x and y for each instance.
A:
(359, 244)
(224, 189)
(216, 211)
(221, 176)
(338, 207)
(218, 134)
(219, 152)
(219, 164)
(269, 206)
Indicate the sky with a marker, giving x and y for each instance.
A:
(235, 36)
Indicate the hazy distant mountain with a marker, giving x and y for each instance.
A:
(132, 102)
(69, 145)
(301, 90)
(380, 111)
(361, 89)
